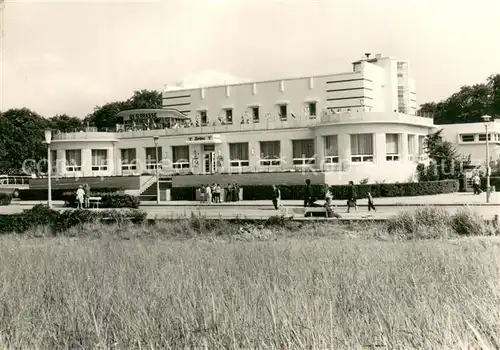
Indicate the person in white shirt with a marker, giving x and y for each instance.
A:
(80, 195)
(209, 194)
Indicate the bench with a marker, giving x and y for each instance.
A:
(318, 211)
(95, 201)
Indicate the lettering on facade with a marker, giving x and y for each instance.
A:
(143, 115)
(200, 138)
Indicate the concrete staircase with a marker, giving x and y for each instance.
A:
(149, 193)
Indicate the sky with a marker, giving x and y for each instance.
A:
(70, 56)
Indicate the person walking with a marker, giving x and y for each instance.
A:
(476, 183)
(276, 197)
(370, 202)
(308, 198)
(352, 194)
(80, 197)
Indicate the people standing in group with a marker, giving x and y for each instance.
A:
(86, 189)
(476, 183)
(352, 197)
(80, 197)
(208, 192)
(370, 202)
(276, 197)
(217, 191)
(229, 195)
(308, 196)
(202, 193)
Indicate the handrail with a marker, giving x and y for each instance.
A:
(14, 180)
(147, 184)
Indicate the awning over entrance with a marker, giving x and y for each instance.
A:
(204, 140)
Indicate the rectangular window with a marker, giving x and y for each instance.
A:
(270, 153)
(180, 157)
(482, 137)
(229, 116)
(421, 146)
(74, 160)
(362, 148)
(151, 160)
(255, 114)
(129, 159)
(203, 118)
(411, 147)
(303, 152)
(238, 154)
(467, 137)
(99, 159)
(392, 147)
(312, 109)
(283, 112)
(331, 149)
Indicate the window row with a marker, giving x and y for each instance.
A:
(73, 160)
(283, 111)
(270, 152)
(479, 137)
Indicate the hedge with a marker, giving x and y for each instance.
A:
(296, 192)
(5, 198)
(57, 194)
(108, 200)
(494, 181)
(58, 221)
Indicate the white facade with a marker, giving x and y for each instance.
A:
(470, 140)
(347, 126)
(380, 84)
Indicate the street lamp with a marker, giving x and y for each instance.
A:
(48, 139)
(486, 119)
(157, 174)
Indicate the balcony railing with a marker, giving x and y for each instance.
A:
(392, 157)
(362, 158)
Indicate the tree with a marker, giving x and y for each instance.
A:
(467, 105)
(104, 117)
(65, 123)
(21, 139)
(445, 161)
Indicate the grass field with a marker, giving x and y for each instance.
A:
(323, 288)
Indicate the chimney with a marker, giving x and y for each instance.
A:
(367, 55)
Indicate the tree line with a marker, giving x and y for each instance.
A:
(22, 130)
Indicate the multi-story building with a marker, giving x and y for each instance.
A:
(348, 126)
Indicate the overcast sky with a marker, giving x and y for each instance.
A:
(68, 56)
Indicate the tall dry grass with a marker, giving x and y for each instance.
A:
(286, 292)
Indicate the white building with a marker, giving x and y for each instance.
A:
(470, 140)
(347, 126)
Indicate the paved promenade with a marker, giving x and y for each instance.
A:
(386, 207)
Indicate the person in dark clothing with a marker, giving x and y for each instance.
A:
(352, 201)
(276, 197)
(370, 202)
(308, 197)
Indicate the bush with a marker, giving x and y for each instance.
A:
(57, 194)
(494, 181)
(296, 192)
(5, 198)
(59, 221)
(435, 222)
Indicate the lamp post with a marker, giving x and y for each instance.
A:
(486, 119)
(48, 139)
(157, 173)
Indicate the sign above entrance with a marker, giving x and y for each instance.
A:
(204, 139)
